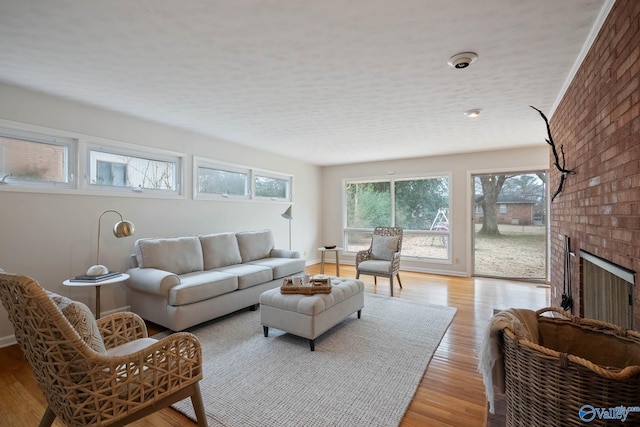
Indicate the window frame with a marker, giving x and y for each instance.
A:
(129, 151)
(426, 233)
(203, 162)
(41, 136)
(272, 175)
(251, 174)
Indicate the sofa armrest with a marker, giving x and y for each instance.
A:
(152, 280)
(283, 253)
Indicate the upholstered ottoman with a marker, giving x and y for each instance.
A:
(309, 316)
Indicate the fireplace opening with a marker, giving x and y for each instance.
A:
(607, 290)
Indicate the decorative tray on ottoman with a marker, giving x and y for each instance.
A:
(315, 286)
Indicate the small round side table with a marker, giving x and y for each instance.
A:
(324, 250)
(116, 279)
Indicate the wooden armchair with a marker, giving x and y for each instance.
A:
(383, 256)
(104, 372)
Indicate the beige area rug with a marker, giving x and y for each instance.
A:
(363, 372)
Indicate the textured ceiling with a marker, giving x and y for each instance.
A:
(330, 82)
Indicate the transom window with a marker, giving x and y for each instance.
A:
(117, 168)
(36, 160)
(272, 186)
(220, 180)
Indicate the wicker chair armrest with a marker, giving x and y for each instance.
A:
(177, 355)
(121, 385)
(119, 328)
(395, 262)
(363, 256)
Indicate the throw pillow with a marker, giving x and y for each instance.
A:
(383, 247)
(82, 320)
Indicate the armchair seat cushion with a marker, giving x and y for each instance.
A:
(375, 266)
(131, 347)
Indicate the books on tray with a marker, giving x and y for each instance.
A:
(98, 278)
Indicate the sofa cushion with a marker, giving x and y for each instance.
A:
(82, 320)
(255, 244)
(249, 275)
(179, 255)
(220, 250)
(202, 285)
(383, 247)
(282, 267)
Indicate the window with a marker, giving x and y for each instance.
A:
(117, 168)
(214, 180)
(502, 208)
(274, 187)
(36, 160)
(221, 180)
(420, 205)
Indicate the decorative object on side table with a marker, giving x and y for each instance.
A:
(121, 229)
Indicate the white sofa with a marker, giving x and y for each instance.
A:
(183, 281)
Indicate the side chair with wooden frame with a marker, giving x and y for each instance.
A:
(383, 256)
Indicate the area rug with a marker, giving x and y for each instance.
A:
(363, 372)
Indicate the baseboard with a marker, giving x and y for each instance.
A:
(11, 339)
(7, 341)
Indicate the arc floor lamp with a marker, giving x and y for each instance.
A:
(287, 215)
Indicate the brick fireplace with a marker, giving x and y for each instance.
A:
(598, 122)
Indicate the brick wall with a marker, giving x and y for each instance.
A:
(598, 121)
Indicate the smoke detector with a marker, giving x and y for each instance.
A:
(462, 60)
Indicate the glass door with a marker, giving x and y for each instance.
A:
(510, 226)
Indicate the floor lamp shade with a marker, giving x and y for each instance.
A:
(122, 228)
(288, 216)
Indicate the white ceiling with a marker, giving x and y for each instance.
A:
(330, 81)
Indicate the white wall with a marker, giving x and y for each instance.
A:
(460, 166)
(52, 237)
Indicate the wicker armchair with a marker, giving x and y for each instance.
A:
(127, 378)
(383, 256)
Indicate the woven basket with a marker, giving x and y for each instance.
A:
(579, 364)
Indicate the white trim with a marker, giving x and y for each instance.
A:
(595, 29)
(7, 341)
(615, 269)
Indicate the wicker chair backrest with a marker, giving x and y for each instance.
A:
(60, 359)
(390, 231)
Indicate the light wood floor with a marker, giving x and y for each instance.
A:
(450, 394)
